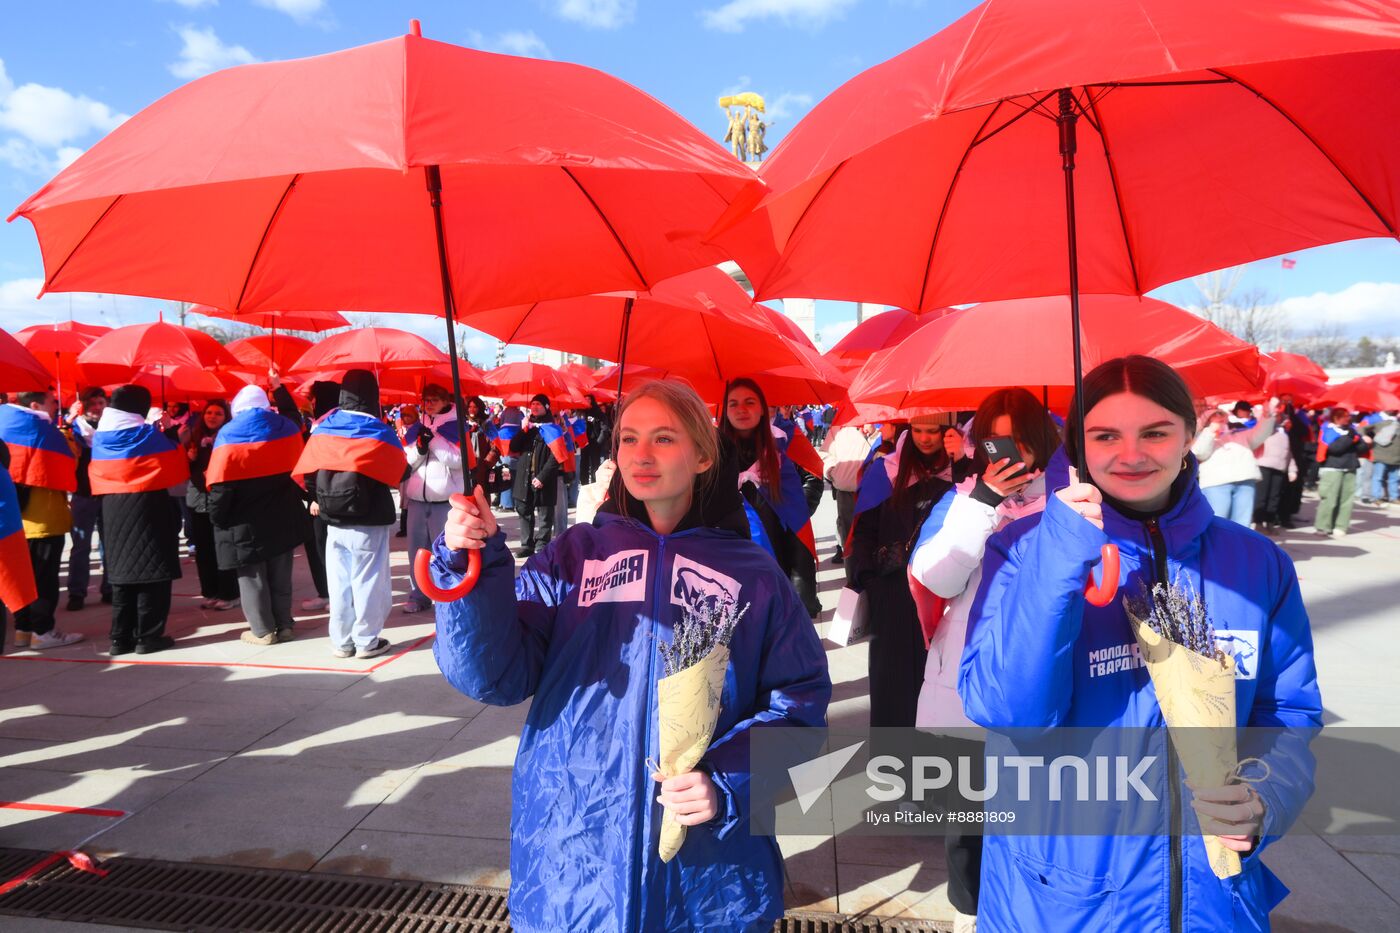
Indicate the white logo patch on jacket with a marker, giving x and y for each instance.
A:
(620, 578)
(700, 588)
(1243, 646)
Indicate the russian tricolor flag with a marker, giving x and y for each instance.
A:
(448, 430)
(135, 459)
(351, 442)
(504, 435)
(257, 442)
(17, 588)
(39, 453)
(558, 443)
(580, 432)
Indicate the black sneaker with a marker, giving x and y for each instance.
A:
(152, 645)
(837, 559)
(380, 646)
(76, 602)
(120, 647)
(106, 599)
(525, 552)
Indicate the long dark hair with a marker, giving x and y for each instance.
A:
(1141, 375)
(199, 430)
(915, 467)
(767, 449)
(1031, 426)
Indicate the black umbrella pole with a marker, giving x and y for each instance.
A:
(622, 344)
(1068, 146)
(448, 304)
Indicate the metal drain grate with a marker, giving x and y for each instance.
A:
(217, 898)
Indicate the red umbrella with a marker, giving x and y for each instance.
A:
(1292, 374)
(119, 355)
(374, 348)
(944, 364)
(407, 384)
(877, 332)
(1365, 393)
(19, 370)
(516, 383)
(404, 175)
(312, 321)
(262, 352)
(701, 325)
(1214, 134)
(186, 383)
(57, 346)
(777, 389)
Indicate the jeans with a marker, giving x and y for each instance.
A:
(507, 499)
(87, 517)
(357, 573)
(1363, 481)
(1385, 481)
(1335, 489)
(266, 591)
(1234, 501)
(425, 522)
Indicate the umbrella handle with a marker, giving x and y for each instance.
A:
(422, 574)
(1095, 594)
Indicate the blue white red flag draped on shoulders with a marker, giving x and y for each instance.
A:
(449, 430)
(256, 442)
(17, 588)
(129, 455)
(505, 433)
(350, 442)
(579, 428)
(39, 453)
(791, 507)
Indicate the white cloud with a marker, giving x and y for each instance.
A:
(300, 10)
(788, 104)
(599, 14)
(736, 14)
(521, 42)
(830, 335)
(1362, 309)
(42, 120)
(20, 308)
(203, 52)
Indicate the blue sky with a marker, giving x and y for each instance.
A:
(73, 70)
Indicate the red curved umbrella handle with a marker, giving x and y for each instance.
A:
(424, 577)
(1097, 594)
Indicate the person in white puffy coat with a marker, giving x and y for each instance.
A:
(947, 560)
(435, 462)
(1229, 474)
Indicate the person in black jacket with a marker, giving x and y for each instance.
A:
(359, 513)
(258, 522)
(534, 488)
(142, 531)
(1340, 448)
(218, 585)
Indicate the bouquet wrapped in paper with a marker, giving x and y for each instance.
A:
(1195, 684)
(688, 696)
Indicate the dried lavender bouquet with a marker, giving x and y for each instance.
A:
(1195, 685)
(688, 696)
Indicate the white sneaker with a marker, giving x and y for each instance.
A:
(316, 604)
(964, 923)
(1338, 533)
(54, 639)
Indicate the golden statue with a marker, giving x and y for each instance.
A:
(746, 130)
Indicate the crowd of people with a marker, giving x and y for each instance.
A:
(970, 536)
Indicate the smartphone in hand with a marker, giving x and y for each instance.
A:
(1001, 447)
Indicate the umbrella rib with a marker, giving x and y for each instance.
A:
(947, 199)
(1316, 145)
(1117, 194)
(782, 258)
(1034, 107)
(267, 229)
(611, 229)
(74, 251)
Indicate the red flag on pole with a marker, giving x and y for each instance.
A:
(1289, 263)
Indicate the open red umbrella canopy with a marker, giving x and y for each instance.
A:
(308, 181)
(515, 383)
(20, 371)
(958, 360)
(374, 348)
(1209, 134)
(312, 321)
(1365, 393)
(700, 324)
(262, 352)
(1292, 374)
(118, 355)
(877, 332)
(187, 384)
(57, 346)
(777, 389)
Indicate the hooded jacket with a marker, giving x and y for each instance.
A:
(436, 473)
(1031, 661)
(373, 500)
(578, 630)
(1342, 445)
(1227, 456)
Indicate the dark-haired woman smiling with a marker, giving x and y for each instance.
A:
(1028, 664)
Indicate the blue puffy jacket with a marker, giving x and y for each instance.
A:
(578, 630)
(1028, 664)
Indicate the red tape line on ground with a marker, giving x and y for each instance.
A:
(55, 808)
(32, 871)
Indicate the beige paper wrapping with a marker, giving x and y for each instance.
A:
(687, 710)
(1197, 696)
